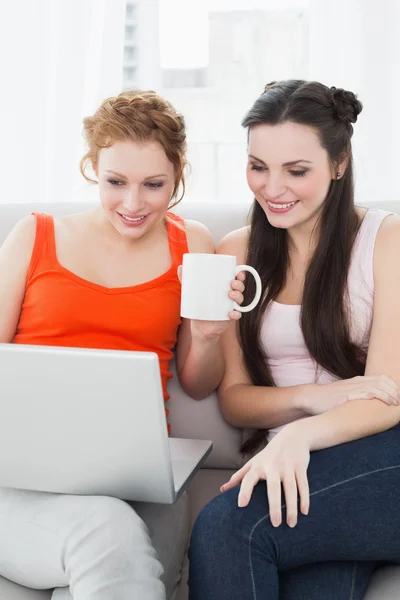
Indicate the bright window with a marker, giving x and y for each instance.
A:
(211, 58)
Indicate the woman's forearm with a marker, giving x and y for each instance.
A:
(350, 421)
(203, 368)
(263, 407)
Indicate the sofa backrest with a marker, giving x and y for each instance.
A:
(219, 218)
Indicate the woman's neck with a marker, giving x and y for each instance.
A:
(303, 241)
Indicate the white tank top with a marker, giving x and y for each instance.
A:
(281, 335)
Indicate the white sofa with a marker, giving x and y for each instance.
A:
(190, 418)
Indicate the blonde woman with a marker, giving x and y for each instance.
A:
(107, 278)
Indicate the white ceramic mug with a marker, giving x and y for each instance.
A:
(206, 282)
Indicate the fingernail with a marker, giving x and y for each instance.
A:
(276, 523)
(241, 502)
(221, 489)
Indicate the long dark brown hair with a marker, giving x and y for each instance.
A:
(324, 317)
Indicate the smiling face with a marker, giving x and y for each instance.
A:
(289, 173)
(136, 182)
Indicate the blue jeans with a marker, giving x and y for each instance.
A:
(354, 522)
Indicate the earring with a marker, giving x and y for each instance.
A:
(337, 174)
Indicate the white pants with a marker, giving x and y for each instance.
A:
(98, 546)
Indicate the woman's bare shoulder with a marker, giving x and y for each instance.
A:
(235, 242)
(22, 236)
(199, 237)
(388, 238)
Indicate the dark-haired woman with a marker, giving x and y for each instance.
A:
(314, 369)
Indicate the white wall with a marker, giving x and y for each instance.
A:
(355, 44)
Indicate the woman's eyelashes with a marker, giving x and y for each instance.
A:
(150, 184)
(295, 173)
(115, 182)
(257, 168)
(298, 173)
(154, 184)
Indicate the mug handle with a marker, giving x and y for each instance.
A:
(258, 293)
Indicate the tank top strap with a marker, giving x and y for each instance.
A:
(44, 246)
(363, 251)
(177, 237)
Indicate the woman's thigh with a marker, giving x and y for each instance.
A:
(354, 515)
(327, 581)
(353, 503)
(30, 539)
(354, 506)
(45, 536)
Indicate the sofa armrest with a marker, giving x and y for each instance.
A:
(202, 419)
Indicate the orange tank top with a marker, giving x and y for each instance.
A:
(62, 309)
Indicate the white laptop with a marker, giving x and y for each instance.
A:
(79, 421)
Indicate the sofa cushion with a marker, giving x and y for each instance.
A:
(12, 591)
(385, 584)
(169, 531)
(202, 419)
(203, 488)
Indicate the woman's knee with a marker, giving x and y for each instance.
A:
(222, 527)
(113, 510)
(103, 516)
(217, 523)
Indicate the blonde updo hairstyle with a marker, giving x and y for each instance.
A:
(138, 116)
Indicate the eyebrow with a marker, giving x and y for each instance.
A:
(286, 164)
(145, 179)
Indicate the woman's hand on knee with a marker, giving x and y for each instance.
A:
(283, 462)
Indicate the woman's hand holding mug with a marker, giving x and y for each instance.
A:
(212, 292)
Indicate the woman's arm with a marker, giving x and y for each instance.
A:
(199, 358)
(15, 256)
(362, 418)
(246, 405)
(243, 404)
(284, 461)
